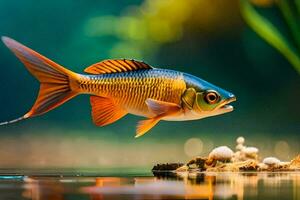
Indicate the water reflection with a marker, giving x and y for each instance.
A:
(184, 186)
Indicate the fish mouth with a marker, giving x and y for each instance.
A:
(225, 106)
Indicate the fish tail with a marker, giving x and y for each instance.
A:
(55, 81)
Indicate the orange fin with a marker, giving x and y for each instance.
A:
(54, 79)
(144, 126)
(117, 65)
(161, 109)
(105, 111)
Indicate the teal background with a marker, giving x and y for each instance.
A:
(219, 48)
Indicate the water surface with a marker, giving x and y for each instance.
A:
(46, 186)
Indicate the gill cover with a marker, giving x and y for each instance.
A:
(188, 98)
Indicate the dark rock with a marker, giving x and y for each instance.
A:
(197, 163)
(167, 167)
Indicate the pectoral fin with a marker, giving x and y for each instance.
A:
(161, 109)
(145, 125)
(105, 111)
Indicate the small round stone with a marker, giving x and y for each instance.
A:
(239, 147)
(221, 153)
(250, 150)
(240, 140)
(271, 161)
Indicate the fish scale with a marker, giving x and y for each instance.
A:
(131, 89)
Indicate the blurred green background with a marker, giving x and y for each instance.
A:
(206, 38)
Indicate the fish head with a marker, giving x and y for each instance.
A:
(213, 102)
(206, 99)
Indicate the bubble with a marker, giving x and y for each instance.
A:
(193, 147)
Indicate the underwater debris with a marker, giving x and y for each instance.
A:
(223, 159)
(183, 168)
(249, 165)
(295, 163)
(197, 163)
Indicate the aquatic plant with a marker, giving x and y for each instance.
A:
(288, 45)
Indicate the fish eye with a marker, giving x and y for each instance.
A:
(211, 97)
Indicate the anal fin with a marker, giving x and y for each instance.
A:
(105, 111)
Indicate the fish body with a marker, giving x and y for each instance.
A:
(132, 89)
(121, 86)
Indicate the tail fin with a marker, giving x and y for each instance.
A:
(54, 79)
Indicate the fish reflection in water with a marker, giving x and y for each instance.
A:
(184, 186)
(153, 188)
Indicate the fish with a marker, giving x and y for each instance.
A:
(118, 87)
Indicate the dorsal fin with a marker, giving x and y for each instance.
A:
(117, 65)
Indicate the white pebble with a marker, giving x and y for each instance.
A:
(221, 153)
(250, 150)
(239, 147)
(240, 140)
(271, 161)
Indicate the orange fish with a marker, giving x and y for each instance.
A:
(118, 87)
